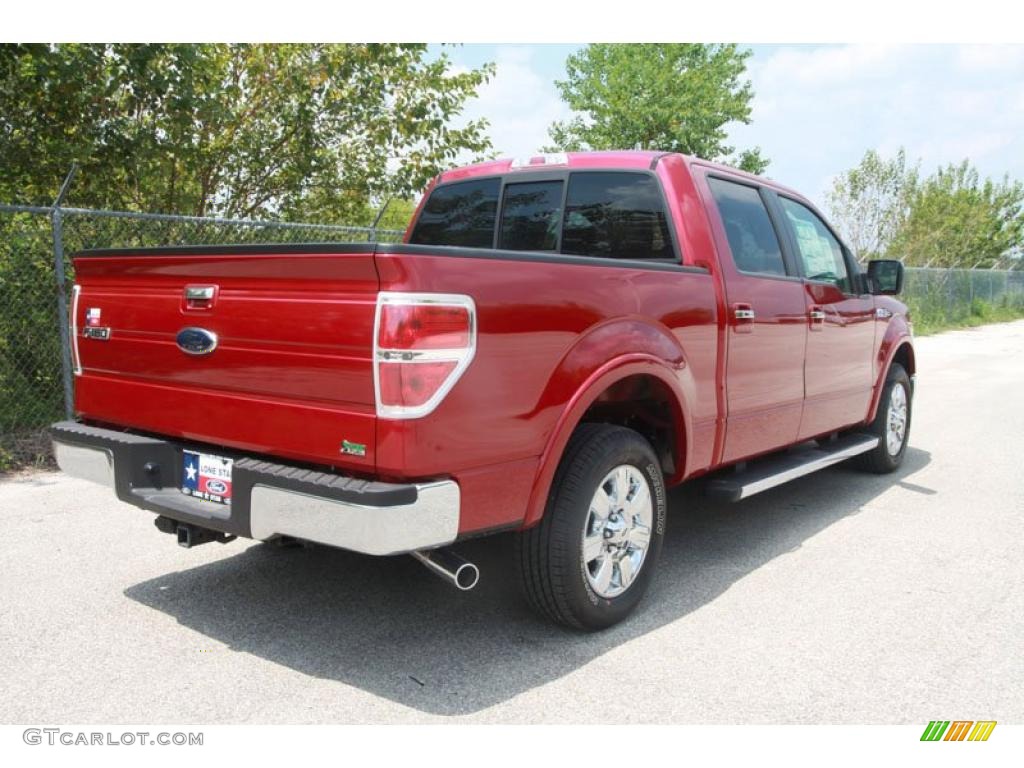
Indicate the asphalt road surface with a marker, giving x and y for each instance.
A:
(839, 598)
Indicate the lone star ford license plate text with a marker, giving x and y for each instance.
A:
(207, 477)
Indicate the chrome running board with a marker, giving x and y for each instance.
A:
(776, 469)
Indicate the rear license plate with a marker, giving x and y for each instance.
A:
(206, 476)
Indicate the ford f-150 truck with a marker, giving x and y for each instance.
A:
(556, 341)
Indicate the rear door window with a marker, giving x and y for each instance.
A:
(748, 228)
(616, 215)
(531, 214)
(460, 214)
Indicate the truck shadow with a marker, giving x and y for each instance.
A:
(387, 626)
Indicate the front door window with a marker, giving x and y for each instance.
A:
(820, 253)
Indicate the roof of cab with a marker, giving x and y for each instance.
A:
(625, 158)
(611, 159)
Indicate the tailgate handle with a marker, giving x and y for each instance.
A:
(199, 296)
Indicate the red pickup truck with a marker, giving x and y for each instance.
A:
(556, 342)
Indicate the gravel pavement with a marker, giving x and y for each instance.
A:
(839, 598)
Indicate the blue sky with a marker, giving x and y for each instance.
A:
(816, 109)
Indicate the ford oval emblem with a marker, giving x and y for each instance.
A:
(196, 341)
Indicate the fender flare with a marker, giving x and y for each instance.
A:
(892, 343)
(617, 369)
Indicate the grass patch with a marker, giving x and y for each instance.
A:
(932, 317)
(26, 448)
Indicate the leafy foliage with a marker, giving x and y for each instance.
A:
(953, 218)
(31, 388)
(676, 97)
(871, 202)
(956, 219)
(397, 214)
(317, 132)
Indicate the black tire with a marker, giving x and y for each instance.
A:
(549, 555)
(880, 459)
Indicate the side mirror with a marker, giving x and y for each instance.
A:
(885, 277)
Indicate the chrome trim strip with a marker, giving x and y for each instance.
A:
(826, 460)
(431, 521)
(76, 361)
(420, 355)
(93, 464)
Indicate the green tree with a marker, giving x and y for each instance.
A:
(676, 97)
(319, 132)
(958, 219)
(398, 213)
(870, 203)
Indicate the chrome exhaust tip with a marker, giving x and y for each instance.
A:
(450, 567)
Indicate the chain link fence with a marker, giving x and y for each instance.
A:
(36, 274)
(940, 298)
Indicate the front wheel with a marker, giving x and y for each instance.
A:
(589, 561)
(891, 425)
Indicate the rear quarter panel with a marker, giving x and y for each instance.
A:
(544, 330)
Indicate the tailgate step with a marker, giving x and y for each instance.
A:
(776, 469)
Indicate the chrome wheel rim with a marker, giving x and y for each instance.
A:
(618, 531)
(896, 420)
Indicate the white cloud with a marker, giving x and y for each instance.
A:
(519, 102)
(990, 58)
(811, 66)
(818, 109)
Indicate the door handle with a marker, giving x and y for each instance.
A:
(743, 318)
(817, 318)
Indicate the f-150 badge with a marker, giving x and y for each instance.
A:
(93, 329)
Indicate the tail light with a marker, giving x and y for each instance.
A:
(422, 344)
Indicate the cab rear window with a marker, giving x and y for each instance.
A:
(607, 214)
(531, 214)
(459, 214)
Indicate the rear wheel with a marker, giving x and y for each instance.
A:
(891, 425)
(589, 561)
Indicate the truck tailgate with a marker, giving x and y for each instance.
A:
(290, 373)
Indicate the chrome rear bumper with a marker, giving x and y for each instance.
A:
(269, 499)
(86, 463)
(430, 521)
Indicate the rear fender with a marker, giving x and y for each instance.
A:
(588, 371)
